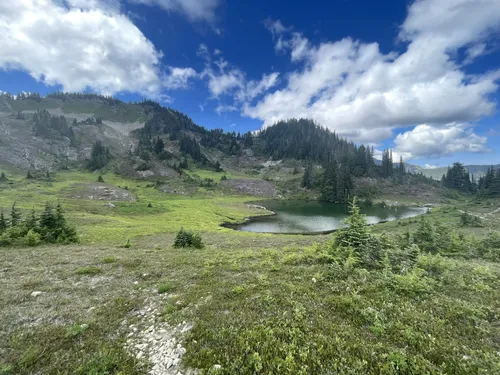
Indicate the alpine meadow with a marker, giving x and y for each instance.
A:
(209, 187)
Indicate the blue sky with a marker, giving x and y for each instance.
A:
(420, 77)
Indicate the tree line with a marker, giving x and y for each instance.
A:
(47, 126)
(457, 177)
(50, 226)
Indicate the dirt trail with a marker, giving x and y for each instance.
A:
(482, 216)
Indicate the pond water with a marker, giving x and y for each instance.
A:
(316, 217)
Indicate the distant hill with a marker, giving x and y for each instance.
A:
(436, 173)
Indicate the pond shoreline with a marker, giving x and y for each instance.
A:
(237, 226)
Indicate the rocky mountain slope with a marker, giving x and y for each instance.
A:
(23, 148)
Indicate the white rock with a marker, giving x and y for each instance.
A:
(169, 362)
(36, 293)
(217, 367)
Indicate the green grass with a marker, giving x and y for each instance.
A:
(164, 288)
(260, 303)
(97, 223)
(89, 270)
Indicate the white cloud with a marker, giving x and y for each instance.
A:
(88, 46)
(194, 10)
(475, 51)
(224, 82)
(224, 79)
(202, 107)
(178, 78)
(452, 23)
(277, 30)
(221, 108)
(426, 141)
(253, 89)
(430, 166)
(358, 91)
(109, 5)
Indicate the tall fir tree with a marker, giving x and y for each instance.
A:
(308, 179)
(357, 233)
(344, 184)
(424, 236)
(32, 221)
(15, 216)
(329, 183)
(3, 223)
(159, 146)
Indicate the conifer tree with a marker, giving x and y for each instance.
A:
(15, 216)
(308, 179)
(60, 221)
(401, 168)
(329, 183)
(357, 233)
(31, 221)
(424, 236)
(47, 219)
(159, 146)
(99, 156)
(3, 177)
(3, 222)
(344, 184)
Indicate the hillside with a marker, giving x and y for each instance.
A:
(88, 118)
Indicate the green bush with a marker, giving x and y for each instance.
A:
(164, 288)
(33, 238)
(48, 227)
(188, 239)
(127, 245)
(468, 220)
(109, 260)
(90, 270)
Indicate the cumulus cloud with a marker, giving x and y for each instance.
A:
(194, 10)
(426, 141)
(179, 78)
(83, 45)
(361, 93)
(224, 79)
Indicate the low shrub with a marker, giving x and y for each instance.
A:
(188, 239)
(89, 270)
(164, 288)
(32, 238)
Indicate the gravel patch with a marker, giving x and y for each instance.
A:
(158, 342)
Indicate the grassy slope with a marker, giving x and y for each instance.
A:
(252, 296)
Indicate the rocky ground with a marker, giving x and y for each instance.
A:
(157, 342)
(260, 188)
(100, 191)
